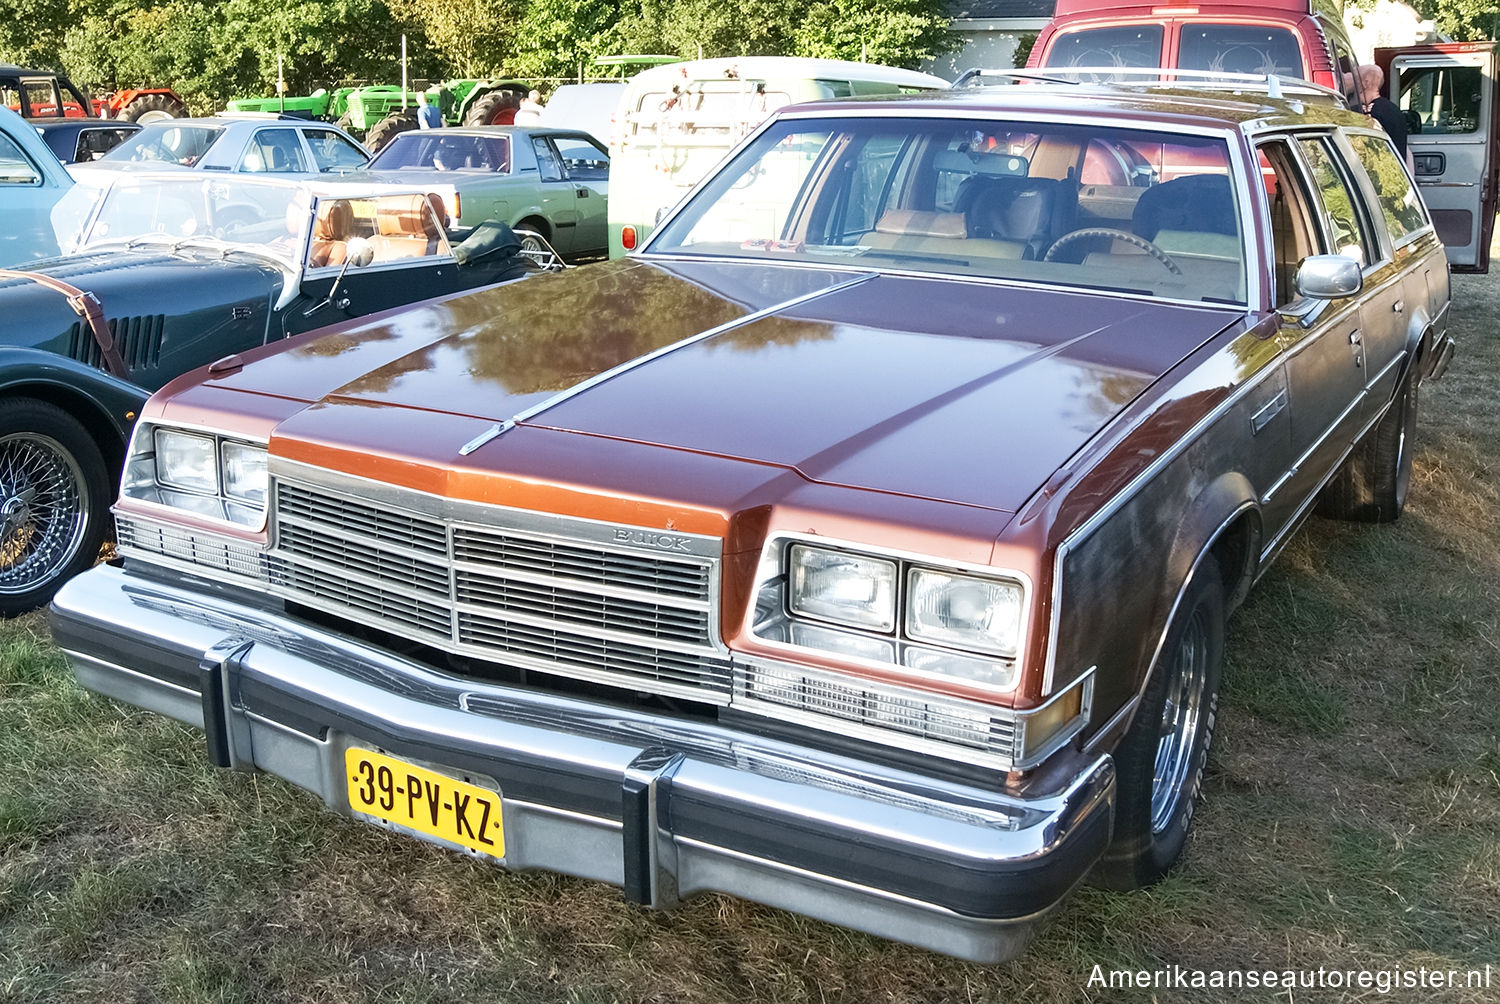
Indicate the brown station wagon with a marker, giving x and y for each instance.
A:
(861, 546)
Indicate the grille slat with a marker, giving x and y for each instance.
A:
(538, 600)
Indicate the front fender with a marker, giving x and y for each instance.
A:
(103, 402)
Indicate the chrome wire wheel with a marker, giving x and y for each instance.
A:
(1177, 736)
(44, 505)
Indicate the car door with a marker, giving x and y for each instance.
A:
(1448, 93)
(558, 197)
(1322, 340)
(585, 166)
(29, 189)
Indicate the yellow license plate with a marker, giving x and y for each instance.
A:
(413, 797)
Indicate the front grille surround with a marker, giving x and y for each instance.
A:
(522, 589)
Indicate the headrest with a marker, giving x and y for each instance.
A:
(914, 223)
(1201, 202)
(1019, 210)
(335, 221)
(403, 216)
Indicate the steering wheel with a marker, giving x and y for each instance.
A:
(1135, 240)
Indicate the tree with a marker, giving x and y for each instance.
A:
(1466, 20)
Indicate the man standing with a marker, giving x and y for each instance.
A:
(428, 116)
(1382, 109)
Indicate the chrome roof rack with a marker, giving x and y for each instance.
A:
(1136, 77)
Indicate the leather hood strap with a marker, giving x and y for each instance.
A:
(86, 306)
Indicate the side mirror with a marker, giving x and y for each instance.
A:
(1328, 277)
(359, 252)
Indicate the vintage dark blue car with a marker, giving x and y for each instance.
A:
(172, 272)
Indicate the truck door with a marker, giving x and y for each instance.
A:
(1448, 94)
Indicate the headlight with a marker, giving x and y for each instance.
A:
(844, 588)
(244, 468)
(197, 472)
(961, 611)
(186, 461)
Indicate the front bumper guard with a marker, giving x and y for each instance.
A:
(663, 806)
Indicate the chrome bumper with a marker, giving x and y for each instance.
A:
(665, 807)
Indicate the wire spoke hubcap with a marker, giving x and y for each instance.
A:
(43, 510)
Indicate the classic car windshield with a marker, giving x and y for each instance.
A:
(184, 145)
(1125, 210)
(266, 217)
(440, 152)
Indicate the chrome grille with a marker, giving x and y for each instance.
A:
(224, 555)
(521, 596)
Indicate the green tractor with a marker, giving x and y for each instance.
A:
(378, 112)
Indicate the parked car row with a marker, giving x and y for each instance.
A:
(862, 544)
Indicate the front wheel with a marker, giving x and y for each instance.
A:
(1160, 761)
(53, 502)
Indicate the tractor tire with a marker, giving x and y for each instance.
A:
(146, 108)
(347, 124)
(494, 108)
(399, 121)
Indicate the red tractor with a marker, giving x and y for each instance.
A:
(36, 94)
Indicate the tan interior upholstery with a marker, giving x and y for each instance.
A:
(406, 229)
(331, 232)
(934, 233)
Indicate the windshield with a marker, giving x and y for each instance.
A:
(270, 218)
(1152, 213)
(444, 153)
(184, 145)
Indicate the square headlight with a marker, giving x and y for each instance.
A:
(244, 469)
(186, 461)
(963, 611)
(841, 587)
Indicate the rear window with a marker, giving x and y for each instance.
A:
(1133, 45)
(1239, 48)
(439, 150)
(169, 144)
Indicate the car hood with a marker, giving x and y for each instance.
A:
(141, 282)
(963, 392)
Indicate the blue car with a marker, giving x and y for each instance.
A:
(32, 181)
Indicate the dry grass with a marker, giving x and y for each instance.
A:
(1352, 820)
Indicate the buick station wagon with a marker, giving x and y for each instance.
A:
(861, 545)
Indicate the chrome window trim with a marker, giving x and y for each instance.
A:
(1230, 133)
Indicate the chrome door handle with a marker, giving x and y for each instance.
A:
(1399, 306)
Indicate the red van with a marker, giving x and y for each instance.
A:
(1290, 38)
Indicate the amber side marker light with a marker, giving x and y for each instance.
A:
(627, 238)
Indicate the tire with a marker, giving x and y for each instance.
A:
(531, 243)
(1372, 485)
(382, 132)
(153, 108)
(346, 123)
(1159, 763)
(494, 108)
(54, 502)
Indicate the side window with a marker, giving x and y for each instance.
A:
(95, 143)
(859, 204)
(43, 99)
(1350, 238)
(333, 152)
(16, 168)
(546, 160)
(1442, 99)
(274, 151)
(1399, 204)
(582, 160)
(1293, 230)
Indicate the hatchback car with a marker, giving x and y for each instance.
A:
(553, 182)
(861, 546)
(247, 145)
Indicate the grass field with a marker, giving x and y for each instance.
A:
(1351, 820)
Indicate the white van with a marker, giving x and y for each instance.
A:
(675, 122)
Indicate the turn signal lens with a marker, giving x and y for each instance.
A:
(627, 238)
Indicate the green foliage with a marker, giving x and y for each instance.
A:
(210, 51)
(1465, 20)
